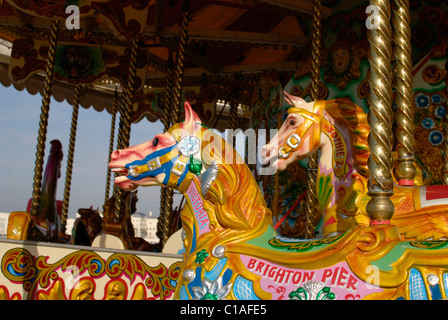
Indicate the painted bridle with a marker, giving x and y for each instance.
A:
(313, 120)
(162, 161)
(319, 124)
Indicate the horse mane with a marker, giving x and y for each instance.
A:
(236, 199)
(354, 118)
(238, 202)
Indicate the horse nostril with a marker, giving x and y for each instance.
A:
(115, 155)
(264, 152)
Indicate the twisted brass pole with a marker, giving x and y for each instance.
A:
(165, 192)
(380, 186)
(233, 114)
(128, 97)
(445, 142)
(111, 141)
(405, 170)
(176, 104)
(45, 109)
(179, 64)
(71, 152)
(311, 205)
(124, 131)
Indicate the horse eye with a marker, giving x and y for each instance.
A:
(292, 122)
(155, 141)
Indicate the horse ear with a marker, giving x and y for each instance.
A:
(192, 121)
(293, 100)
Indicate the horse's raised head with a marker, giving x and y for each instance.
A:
(163, 160)
(56, 156)
(56, 147)
(298, 137)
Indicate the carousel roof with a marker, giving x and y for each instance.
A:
(230, 43)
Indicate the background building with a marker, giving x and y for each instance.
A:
(3, 224)
(145, 226)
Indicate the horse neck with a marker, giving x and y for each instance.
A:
(49, 185)
(336, 163)
(233, 206)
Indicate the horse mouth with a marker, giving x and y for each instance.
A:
(120, 170)
(269, 156)
(121, 174)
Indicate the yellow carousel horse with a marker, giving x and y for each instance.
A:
(338, 128)
(232, 250)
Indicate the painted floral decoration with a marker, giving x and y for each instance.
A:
(435, 137)
(436, 99)
(212, 290)
(429, 118)
(422, 101)
(428, 123)
(439, 112)
(312, 290)
(201, 256)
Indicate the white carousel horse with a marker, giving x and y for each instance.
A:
(338, 128)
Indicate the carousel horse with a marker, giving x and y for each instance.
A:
(232, 250)
(86, 227)
(338, 128)
(124, 229)
(46, 225)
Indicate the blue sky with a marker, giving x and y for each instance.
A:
(19, 121)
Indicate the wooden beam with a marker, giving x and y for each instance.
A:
(297, 5)
(231, 70)
(255, 38)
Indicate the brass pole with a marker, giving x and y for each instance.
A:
(233, 114)
(405, 170)
(232, 123)
(312, 205)
(45, 109)
(165, 192)
(445, 143)
(380, 186)
(179, 64)
(176, 104)
(128, 97)
(71, 152)
(124, 131)
(111, 141)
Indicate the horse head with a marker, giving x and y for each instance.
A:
(153, 162)
(223, 200)
(299, 136)
(49, 215)
(339, 129)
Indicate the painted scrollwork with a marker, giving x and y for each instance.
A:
(81, 273)
(126, 18)
(432, 74)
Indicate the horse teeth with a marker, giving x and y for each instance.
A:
(119, 172)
